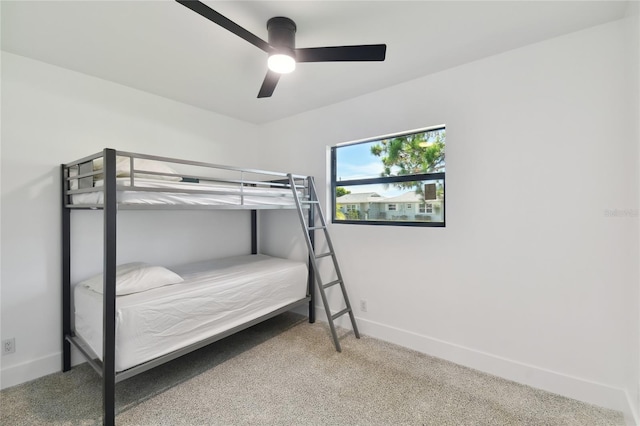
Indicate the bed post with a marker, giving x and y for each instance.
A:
(109, 289)
(66, 272)
(254, 232)
(311, 279)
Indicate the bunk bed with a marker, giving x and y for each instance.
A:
(110, 320)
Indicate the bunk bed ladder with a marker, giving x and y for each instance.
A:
(309, 226)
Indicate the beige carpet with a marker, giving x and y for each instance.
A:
(286, 372)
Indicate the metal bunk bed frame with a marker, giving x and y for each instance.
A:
(110, 207)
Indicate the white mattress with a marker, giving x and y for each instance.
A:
(215, 296)
(226, 194)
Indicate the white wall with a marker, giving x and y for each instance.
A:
(633, 39)
(50, 116)
(542, 285)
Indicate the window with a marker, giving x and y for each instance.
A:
(426, 208)
(389, 175)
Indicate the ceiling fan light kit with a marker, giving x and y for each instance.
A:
(281, 47)
(282, 37)
(281, 63)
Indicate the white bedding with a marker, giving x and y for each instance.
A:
(226, 194)
(215, 296)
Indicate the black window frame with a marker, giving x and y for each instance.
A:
(386, 180)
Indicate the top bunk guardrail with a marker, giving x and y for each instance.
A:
(153, 182)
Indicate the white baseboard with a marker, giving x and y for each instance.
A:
(30, 370)
(552, 381)
(34, 369)
(633, 417)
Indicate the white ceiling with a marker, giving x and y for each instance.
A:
(164, 48)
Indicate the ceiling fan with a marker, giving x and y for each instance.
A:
(281, 47)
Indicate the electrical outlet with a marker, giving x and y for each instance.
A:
(8, 346)
(363, 305)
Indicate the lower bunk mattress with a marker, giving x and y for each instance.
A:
(215, 296)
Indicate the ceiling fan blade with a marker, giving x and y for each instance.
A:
(368, 52)
(215, 17)
(269, 84)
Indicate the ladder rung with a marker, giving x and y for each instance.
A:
(339, 314)
(324, 255)
(309, 202)
(327, 285)
(313, 228)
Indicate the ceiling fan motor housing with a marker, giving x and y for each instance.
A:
(282, 35)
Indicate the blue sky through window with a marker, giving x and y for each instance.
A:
(357, 162)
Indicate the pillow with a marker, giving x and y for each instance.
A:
(123, 168)
(134, 278)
